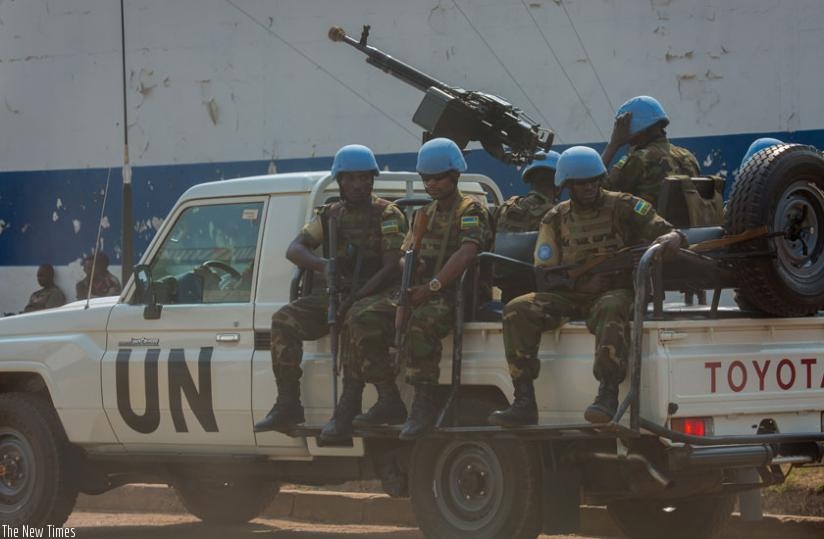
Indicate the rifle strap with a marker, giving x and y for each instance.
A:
(447, 233)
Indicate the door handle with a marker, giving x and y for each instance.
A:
(227, 337)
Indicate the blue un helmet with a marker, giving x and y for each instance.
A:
(578, 163)
(757, 146)
(354, 158)
(547, 160)
(645, 110)
(439, 155)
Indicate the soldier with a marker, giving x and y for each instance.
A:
(49, 295)
(524, 213)
(370, 231)
(593, 222)
(459, 228)
(641, 123)
(103, 283)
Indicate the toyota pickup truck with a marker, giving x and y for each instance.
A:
(164, 383)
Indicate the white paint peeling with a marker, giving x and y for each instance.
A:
(76, 225)
(156, 222)
(3, 226)
(59, 203)
(104, 223)
(708, 161)
(55, 217)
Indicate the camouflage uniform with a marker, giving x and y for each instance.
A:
(522, 214)
(571, 235)
(375, 230)
(47, 297)
(642, 170)
(431, 321)
(102, 286)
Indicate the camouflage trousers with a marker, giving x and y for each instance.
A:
(607, 316)
(362, 354)
(373, 327)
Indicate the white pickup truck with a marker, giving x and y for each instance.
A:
(166, 389)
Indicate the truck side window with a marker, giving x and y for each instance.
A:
(209, 255)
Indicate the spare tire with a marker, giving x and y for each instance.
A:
(782, 187)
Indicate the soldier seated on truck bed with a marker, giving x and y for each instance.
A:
(592, 222)
(524, 213)
(370, 231)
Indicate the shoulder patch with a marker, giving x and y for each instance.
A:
(544, 252)
(642, 207)
(470, 221)
(621, 162)
(390, 226)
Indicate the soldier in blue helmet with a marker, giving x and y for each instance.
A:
(376, 228)
(591, 223)
(641, 122)
(524, 213)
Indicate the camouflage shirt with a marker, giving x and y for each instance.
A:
(469, 224)
(45, 298)
(642, 170)
(571, 235)
(370, 231)
(102, 286)
(522, 213)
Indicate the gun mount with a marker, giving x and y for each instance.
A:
(503, 130)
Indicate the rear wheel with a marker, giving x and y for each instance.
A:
(781, 187)
(689, 518)
(225, 502)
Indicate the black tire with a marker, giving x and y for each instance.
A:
(476, 488)
(225, 502)
(35, 487)
(782, 187)
(703, 517)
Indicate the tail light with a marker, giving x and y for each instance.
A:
(694, 426)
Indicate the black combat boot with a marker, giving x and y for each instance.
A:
(339, 428)
(605, 405)
(287, 411)
(388, 410)
(422, 415)
(524, 409)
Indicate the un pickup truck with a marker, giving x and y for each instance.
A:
(164, 383)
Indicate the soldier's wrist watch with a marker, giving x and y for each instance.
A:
(434, 285)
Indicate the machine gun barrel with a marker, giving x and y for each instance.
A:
(386, 63)
(504, 131)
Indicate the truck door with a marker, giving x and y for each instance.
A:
(184, 378)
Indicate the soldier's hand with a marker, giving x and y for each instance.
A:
(671, 241)
(592, 284)
(419, 294)
(620, 131)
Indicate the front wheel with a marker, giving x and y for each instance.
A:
(225, 502)
(476, 488)
(35, 487)
(689, 518)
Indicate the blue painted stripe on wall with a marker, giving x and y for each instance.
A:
(36, 229)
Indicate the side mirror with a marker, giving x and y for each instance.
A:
(145, 292)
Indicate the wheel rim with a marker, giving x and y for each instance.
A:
(17, 471)
(468, 484)
(800, 214)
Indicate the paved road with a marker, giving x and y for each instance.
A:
(164, 526)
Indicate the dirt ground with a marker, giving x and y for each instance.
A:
(801, 494)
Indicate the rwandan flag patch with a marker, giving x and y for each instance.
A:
(388, 227)
(470, 222)
(642, 207)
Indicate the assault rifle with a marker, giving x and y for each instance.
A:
(332, 312)
(503, 130)
(410, 259)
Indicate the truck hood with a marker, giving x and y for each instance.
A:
(70, 318)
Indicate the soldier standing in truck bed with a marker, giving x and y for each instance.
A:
(591, 223)
(641, 122)
(375, 228)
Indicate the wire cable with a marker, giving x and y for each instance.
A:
(323, 69)
(97, 240)
(506, 69)
(589, 60)
(564, 71)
